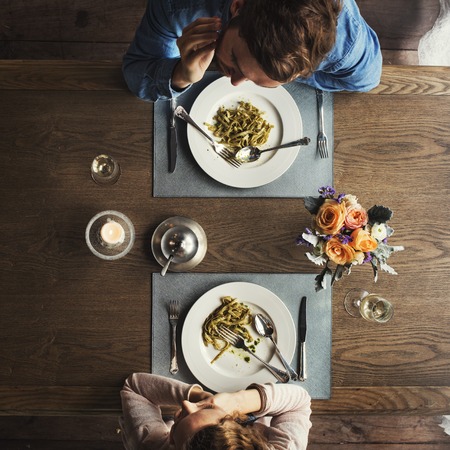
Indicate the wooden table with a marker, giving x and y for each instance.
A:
(73, 326)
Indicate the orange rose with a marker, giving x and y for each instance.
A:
(356, 217)
(363, 241)
(338, 252)
(330, 217)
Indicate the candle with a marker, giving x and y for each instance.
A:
(112, 233)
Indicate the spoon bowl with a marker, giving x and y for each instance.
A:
(251, 153)
(265, 328)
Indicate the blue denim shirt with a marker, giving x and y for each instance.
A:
(354, 63)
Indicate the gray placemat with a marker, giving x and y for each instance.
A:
(188, 287)
(303, 178)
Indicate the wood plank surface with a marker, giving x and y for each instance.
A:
(350, 431)
(73, 327)
(399, 24)
(89, 31)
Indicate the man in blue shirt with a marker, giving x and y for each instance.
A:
(323, 43)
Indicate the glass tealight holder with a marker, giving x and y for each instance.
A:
(110, 235)
(105, 170)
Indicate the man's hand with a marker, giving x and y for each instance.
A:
(197, 45)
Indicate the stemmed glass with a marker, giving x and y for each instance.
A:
(372, 307)
(105, 170)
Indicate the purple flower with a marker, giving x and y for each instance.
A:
(368, 258)
(345, 239)
(301, 241)
(340, 198)
(327, 191)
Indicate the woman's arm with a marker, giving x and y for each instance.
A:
(289, 406)
(244, 402)
(142, 396)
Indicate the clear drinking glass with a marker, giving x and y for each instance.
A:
(105, 169)
(372, 307)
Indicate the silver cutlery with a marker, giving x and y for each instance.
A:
(265, 328)
(220, 149)
(173, 137)
(302, 340)
(238, 341)
(174, 312)
(322, 141)
(251, 153)
(174, 250)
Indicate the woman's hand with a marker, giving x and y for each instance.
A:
(197, 45)
(198, 395)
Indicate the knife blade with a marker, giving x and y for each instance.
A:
(173, 137)
(302, 341)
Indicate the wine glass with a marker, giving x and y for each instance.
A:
(372, 307)
(105, 169)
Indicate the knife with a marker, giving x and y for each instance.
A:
(302, 341)
(173, 137)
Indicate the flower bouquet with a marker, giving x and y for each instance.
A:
(344, 233)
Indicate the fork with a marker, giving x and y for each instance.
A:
(322, 141)
(238, 341)
(221, 150)
(174, 312)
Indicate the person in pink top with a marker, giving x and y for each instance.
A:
(261, 417)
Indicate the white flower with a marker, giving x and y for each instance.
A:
(350, 200)
(379, 231)
(359, 258)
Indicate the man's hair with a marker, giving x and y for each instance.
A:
(228, 435)
(289, 38)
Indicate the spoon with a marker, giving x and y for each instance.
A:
(178, 245)
(170, 258)
(251, 153)
(265, 328)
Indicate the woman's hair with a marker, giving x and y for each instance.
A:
(289, 38)
(228, 434)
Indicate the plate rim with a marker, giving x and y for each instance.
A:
(218, 169)
(287, 335)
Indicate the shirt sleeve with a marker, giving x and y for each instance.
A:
(289, 406)
(152, 55)
(142, 396)
(355, 62)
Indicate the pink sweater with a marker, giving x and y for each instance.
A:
(283, 418)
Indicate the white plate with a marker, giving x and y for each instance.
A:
(231, 372)
(281, 111)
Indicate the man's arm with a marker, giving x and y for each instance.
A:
(171, 49)
(355, 62)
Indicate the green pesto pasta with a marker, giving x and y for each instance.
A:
(241, 126)
(232, 314)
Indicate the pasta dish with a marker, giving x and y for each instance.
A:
(232, 314)
(241, 126)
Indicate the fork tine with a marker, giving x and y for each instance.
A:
(228, 156)
(174, 309)
(227, 334)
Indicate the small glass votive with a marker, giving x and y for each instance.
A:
(105, 170)
(110, 235)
